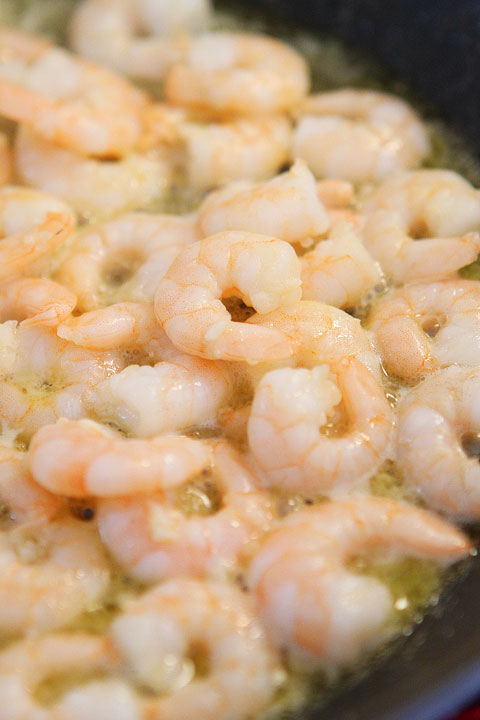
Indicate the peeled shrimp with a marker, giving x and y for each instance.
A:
(43, 377)
(262, 271)
(35, 301)
(155, 633)
(286, 207)
(438, 427)
(311, 603)
(125, 258)
(422, 327)
(284, 428)
(238, 74)
(67, 99)
(95, 188)
(136, 38)
(358, 135)
(83, 458)
(153, 537)
(214, 154)
(339, 271)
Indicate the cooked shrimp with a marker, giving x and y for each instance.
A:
(50, 573)
(437, 441)
(125, 258)
(290, 408)
(154, 537)
(422, 327)
(238, 74)
(67, 99)
(177, 393)
(339, 271)
(95, 188)
(43, 377)
(311, 603)
(83, 458)
(215, 154)
(262, 271)
(28, 663)
(36, 301)
(335, 193)
(286, 207)
(321, 334)
(136, 38)
(404, 258)
(156, 632)
(435, 203)
(358, 135)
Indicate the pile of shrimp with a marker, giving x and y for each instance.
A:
(194, 407)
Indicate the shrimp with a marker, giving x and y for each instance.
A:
(358, 135)
(339, 271)
(156, 536)
(156, 631)
(28, 663)
(215, 154)
(286, 207)
(439, 203)
(423, 327)
(238, 74)
(262, 271)
(6, 160)
(67, 99)
(35, 301)
(320, 334)
(50, 573)
(125, 258)
(437, 441)
(112, 32)
(43, 377)
(95, 188)
(290, 408)
(335, 193)
(311, 603)
(84, 458)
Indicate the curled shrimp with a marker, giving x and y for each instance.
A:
(67, 99)
(238, 74)
(284, 429)
(262, 271)
(286, 207)
(155, 632)
(311, 603)
(35, 301)
(140, 39)
(125, 258)
(43, 377)
(83, 458)
(96, 188)
(216, 153)
(358, 135)
(154, 536)
(339, 271)
(423, 327)
(437, 441)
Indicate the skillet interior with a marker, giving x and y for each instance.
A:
(433, 45)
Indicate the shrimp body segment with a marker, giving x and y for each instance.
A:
(80, 459)
(358, 135)
(67, 99)
(438, 426)
(286, 207)
(311, 603)
(262, 271)
(290, 407)
(238, 74)
(153, 538)
(35, 301)
(423, 327)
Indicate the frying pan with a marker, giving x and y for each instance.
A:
(434, 45)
